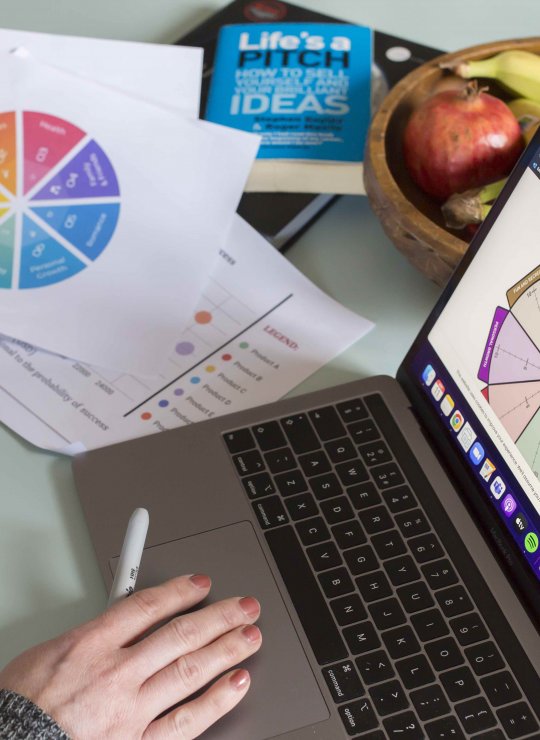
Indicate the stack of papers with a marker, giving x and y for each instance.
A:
(133, 299)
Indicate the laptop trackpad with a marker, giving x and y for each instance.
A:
(284, 694)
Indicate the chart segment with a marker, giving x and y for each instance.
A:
(52, 236)
(47, 139)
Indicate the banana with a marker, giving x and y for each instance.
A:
(527, 113)
(516, 70)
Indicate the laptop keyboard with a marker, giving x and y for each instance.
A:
(401, 644)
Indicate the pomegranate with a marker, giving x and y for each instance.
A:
(460, 139)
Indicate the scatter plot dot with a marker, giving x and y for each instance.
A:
(210, 368)
(146, 415)
(226, 357)
(179, 392)
(203, 317)
(244, 345)
(184, 348)
(195, 379)
(163, 403)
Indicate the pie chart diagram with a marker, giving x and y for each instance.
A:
(59, 200)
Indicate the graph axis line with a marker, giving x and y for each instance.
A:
(204, 359)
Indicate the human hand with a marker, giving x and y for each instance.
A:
(101, 680)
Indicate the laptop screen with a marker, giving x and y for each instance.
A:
(475, 368)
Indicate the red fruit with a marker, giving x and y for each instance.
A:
(460, 139)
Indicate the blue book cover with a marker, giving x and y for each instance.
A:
(304, 87)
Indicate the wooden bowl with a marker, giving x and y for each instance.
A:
(409, 217)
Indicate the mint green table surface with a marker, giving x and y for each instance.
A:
(49, 579)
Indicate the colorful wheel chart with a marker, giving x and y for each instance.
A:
(510, 367)
(59, 200)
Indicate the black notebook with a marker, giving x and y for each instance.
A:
(282, 217)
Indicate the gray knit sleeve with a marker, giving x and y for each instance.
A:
(20, 719)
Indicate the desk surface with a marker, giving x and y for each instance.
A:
(49, 580)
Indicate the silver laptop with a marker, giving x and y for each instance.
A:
(389, 528)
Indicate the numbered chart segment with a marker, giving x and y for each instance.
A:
(88, 175)
(44, 260)
(8, 152)
(88, 227)
(7, 250)
(47, 140)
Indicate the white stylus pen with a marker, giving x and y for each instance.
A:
(130, 556)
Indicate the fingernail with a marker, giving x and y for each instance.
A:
(200, 581)
(251, 633)
(250, 606)
(240, 679)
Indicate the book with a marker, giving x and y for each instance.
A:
(305, 88)
(282, 217)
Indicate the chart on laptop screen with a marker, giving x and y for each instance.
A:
(510, 367)
(59, 200)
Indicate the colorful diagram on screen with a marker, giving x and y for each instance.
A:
(59, 200)
(511, 367)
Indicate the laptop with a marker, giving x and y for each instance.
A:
(389, 527)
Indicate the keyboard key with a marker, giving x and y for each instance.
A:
(327, 423)
(429, 625)
(475, 715)
(425, 548)
(484, 658)
(361, 560)
(399, 499)
(314, 614)
(363, 495)
(270, 512)
(363, 431)
(358, 716)
(336, 510)
(517, 720)
(343, 681)
(349, 534)
(493, 735)
(312, 531)
(249, 462)
(375, 667)
(500, 688)
(444, 653)
(388, 698)
(280, 460)
(403, 727)
(388, 544)
(402, 570)
(348, 609)
(351, 472)
(239, 440)
(336, 582)
(301, 506)
(269, 436)
(454, 601)
(324, 556)
(459, 683)
(444, 729)
(339, 450)
(469, 628)
(290, 483)
(430, 702)
(300, 433)
(325, 486)
(375, 453)
(387, 613)
(401, 642)
(376, 519)
(415, 597)
(412, 523)
(314, 463)
(387, 476)
(361, 638)
(415, 671)
(439, 574)
(258, 485)
(352, 410)
(374, 586)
